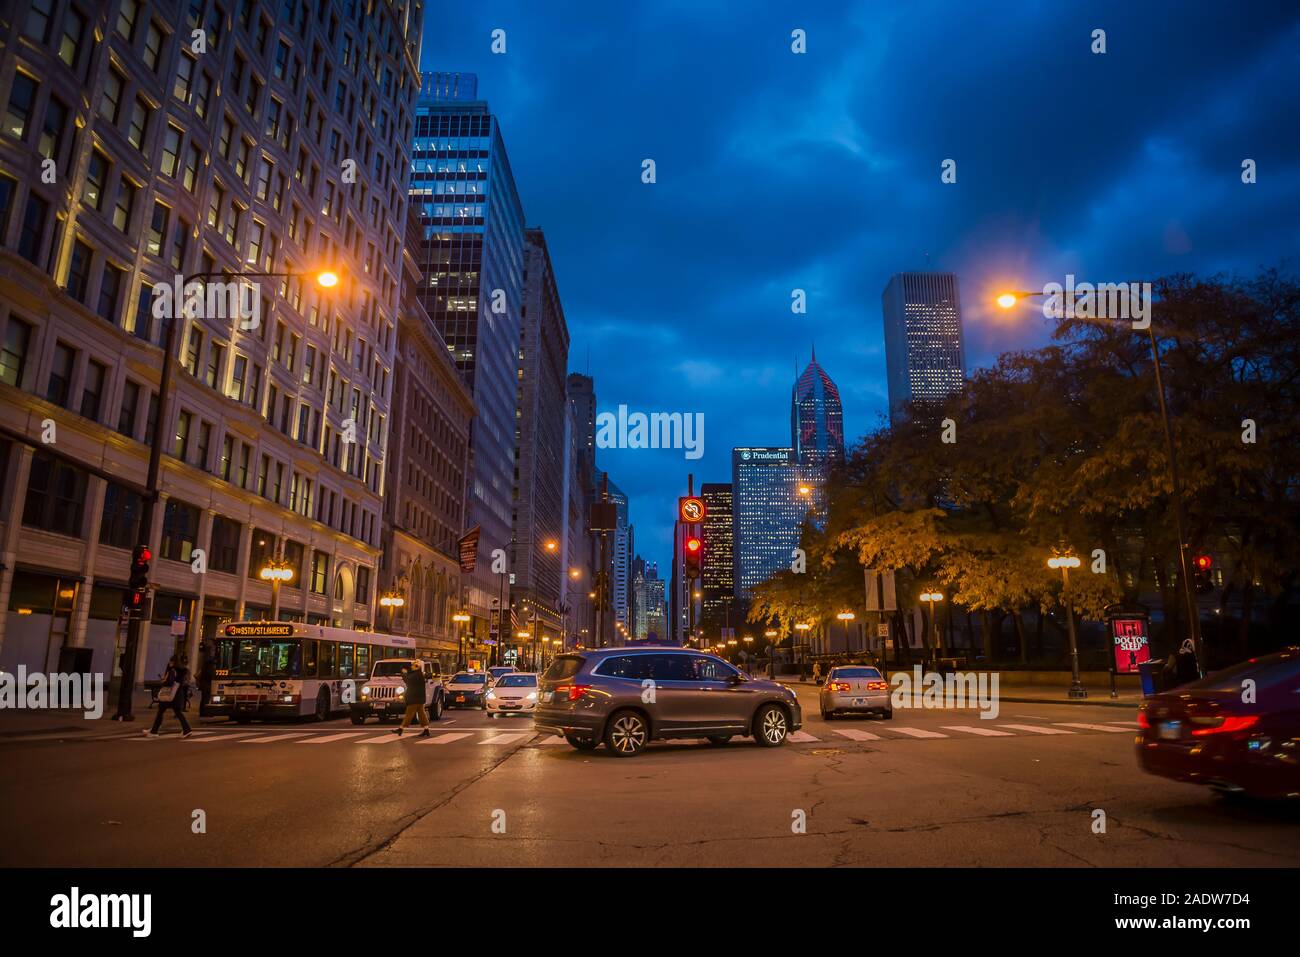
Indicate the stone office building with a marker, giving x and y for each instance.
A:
(169, 161)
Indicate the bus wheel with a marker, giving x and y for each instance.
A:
(323, 705)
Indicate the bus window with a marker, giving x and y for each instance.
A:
(328, 656)
(345, 660)
(309, 658)
(363, 661)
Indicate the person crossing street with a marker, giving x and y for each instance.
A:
(413, 679)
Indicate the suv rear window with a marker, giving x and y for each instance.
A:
(565, 666)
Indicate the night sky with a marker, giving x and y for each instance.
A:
(821, 171)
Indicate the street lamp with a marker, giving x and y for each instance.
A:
(846, 617)
(932, 597)
(1008, 299)
(326, 279)
(1065, 563)
(393, 600)
(799, 626)
(460, 618)
(276, 571)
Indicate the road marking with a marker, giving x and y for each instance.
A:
(1034, 729)
(801, 737)
(1091, 727)
(853, 734)
(447, 738)
(334, 737)
(507, 737)
(917, 732)
(272, 738)
(973, 729)
(388, 738)
(225, 737)
(1127, 724)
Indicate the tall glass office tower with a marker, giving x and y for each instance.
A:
(924, 355)
(471, 255)
(767, 511)
(816, 418)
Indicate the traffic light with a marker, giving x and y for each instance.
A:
(1201, 566)
(141, 556)
(693, 551)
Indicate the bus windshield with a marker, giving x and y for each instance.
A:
(259, 657)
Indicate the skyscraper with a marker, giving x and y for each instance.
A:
(540, 511)
(170, 165)
(648, 597)
(816, 419)
(767, 511)
(717, 572)
(471, 255)
(925, 358)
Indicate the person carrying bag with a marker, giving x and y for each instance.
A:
(172, 696)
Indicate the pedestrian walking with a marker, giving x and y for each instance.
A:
(817, 672)
(413, 679)
(172, 696)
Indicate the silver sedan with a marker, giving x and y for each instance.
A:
(857, 689)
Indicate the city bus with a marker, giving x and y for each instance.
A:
(287, 669)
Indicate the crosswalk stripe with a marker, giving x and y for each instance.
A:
(1034, 729)
(1127, 724)
(917, 732)
(447, 738)
(801, 737)
(272, 738)
(507, 737)
(323, 739)
(214, 736)
(973, 729)
(853, 734)
(1091, 727)
(388, 738)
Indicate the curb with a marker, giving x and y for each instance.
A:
(1105, 702)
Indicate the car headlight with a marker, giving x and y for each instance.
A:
(400, 692)
(365, 690)
(491, 694)
(532, 696)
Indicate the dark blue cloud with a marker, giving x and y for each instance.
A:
(821, 172)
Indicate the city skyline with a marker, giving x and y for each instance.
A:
(720, 338)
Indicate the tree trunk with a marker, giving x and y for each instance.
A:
(988, 636)
(1020, 636)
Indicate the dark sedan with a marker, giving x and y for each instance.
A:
(1237, 730)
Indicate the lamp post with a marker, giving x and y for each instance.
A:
(326, 279)
(523, 636)
(846, 617)
(393, 600)
(460, 618)
(1007, 300)
(800, 626)
(1065, 563)
(275, 571)
(931, 597)
(770, 634)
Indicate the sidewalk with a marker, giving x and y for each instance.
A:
(19, 722)
(1012, 692)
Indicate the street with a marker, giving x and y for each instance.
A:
(929, 788)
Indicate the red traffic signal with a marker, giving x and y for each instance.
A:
(692, 555)
(692, 545)
(1203, 562)
(141, 556)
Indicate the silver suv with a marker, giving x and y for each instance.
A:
(627, 697)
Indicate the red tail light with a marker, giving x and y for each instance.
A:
(877, 685)
(571, 692)
(837, 686)
(1143, 721)
(1230, 724)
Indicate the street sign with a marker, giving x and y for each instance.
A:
(881, 595)
(690, 509)
(882, 630)
(178, 626)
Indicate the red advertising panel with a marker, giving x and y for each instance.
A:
(1131, 643)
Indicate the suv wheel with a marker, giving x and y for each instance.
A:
(770, 725)
(358, 719)
(719, 739)
(626, 734)
(435, 710)
(582, 744)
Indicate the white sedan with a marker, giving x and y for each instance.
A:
(514, 693)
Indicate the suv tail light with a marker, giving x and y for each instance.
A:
(1228, 725)
(571, 692)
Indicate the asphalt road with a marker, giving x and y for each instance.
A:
(930, 788)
